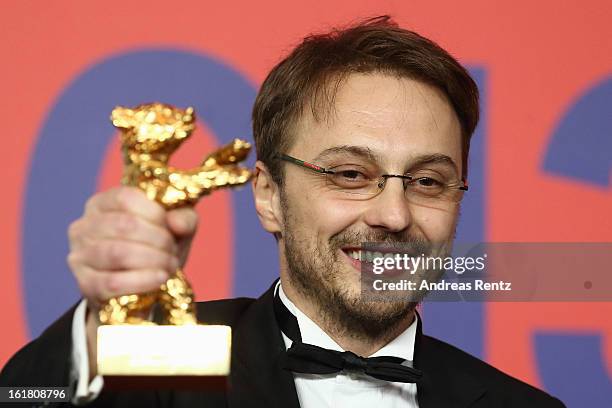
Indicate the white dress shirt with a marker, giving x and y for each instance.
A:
(314, 391)
(350, 390)
(85, 391)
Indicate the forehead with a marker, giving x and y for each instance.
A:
(398, 119)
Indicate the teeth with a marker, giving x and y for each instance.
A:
(369, 256)
(354, 254)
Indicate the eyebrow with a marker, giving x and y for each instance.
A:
(367, 153)
(360, 151)
(436, 158)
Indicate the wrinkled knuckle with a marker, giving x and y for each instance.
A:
(95, 250)
(125, 224)
(113, 284)
(74, 229)
(124, 197)
(114, 253)
(74, 260)
(91, 203)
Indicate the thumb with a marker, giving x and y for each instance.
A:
(182, 222)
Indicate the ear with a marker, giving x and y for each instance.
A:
(267, 199)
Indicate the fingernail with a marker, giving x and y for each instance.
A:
(163, 276)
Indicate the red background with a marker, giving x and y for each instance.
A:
(539, 56)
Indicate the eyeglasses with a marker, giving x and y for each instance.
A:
(353, 181)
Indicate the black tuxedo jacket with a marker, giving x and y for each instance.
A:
(452, 378)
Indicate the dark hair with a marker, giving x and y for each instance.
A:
(311, 75)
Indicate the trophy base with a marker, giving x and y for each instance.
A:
(150, 356)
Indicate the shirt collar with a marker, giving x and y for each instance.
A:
(402, 346)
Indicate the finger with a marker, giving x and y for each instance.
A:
(127, 199)
(111, 254)
(100, 286)
(122, 226)
(183, 222)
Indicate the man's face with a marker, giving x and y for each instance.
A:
(397, 122)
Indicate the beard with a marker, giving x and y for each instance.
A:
(319, 273)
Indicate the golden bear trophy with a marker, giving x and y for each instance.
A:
(133, 350)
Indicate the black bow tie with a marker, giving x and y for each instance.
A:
(311, 359)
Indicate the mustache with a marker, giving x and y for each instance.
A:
(376, 239)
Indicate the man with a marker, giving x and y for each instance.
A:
(362, 135)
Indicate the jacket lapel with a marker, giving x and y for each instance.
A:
(257, 379)
(443, 384)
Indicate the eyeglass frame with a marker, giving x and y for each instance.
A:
(384, 177)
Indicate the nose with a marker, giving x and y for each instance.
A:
(389, 210)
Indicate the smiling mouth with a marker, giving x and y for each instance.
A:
(360, 254)
(363, 260)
